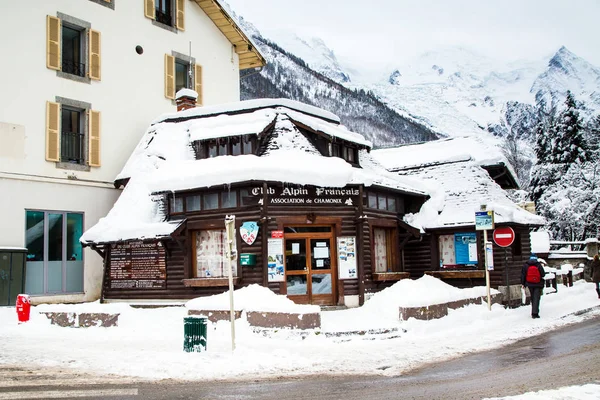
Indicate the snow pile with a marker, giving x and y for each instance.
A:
(251, 298)
(424, 291)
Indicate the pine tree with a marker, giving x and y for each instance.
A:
(570, 145)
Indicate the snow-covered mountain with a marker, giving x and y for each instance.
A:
(456, 91)
(315, 53)
(289, 76)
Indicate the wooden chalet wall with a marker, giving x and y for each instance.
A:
(375, 217)
(179, 261)
(419, 256)
(422, 256)
(346, 220)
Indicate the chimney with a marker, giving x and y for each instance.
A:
(185, 99)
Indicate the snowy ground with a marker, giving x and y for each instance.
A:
(148, 342)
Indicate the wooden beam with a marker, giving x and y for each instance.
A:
(209, 282)
(456, 274)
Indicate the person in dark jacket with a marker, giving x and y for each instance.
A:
(535, 288)
(596, 273)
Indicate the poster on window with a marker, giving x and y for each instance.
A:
(466, 248)
(275, 260)
(346, 247)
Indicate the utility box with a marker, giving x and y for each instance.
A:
(248, 259)
(12, 274)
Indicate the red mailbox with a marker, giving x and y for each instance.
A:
(23, 306)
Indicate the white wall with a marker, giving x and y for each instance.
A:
(27, 193)
(129, 96)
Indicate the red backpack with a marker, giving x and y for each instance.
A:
(533, 274)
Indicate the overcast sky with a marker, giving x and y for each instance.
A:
(385, 30)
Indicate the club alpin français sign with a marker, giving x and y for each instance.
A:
(308, 195)
(138, 265)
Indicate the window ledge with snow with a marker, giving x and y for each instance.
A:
(457, 274)
(390, 276)
(207, 282)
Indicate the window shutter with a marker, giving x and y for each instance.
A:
(94, 138)
(198, 83)
(52, 131)
(149, 10)
(53, 42)
(94, 46)
(180, 13)
(169, 76)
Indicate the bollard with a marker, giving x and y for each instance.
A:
(23, 306)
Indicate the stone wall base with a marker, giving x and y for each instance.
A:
(82, 320)
(435, 311)
(284, 320)
(217, 315)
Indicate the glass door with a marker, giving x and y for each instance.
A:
(310, 268)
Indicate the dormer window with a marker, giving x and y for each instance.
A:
(229, 146)
(350, 154)
(335, 150)
(346, 152)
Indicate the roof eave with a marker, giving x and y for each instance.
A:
(249, 55)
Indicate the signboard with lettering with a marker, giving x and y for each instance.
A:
(138, 265)
(308, 195)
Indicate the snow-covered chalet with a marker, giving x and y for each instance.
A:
(317, 217)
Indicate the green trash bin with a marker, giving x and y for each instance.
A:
(194, 333)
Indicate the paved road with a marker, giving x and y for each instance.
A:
(569, 356)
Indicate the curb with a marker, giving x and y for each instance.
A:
(581, 312)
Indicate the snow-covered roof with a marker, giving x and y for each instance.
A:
(249, 105)
(232, 119)
(164, 161)
(480, 150)
(463, 187)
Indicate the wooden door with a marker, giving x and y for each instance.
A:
(310, 268)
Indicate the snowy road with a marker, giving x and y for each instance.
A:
(564, 357)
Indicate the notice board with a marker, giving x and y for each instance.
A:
(138, 265)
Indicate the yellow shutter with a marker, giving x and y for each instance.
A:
(52, 131)
(94, 138)
(149, 10)
(94, 46)
(180, 13)
(53, 42)
(169, 76)
(198, 83)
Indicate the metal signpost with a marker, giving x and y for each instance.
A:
(231, 254)
(484, 220)
(504, 237)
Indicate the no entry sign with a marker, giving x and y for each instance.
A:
(504, 237)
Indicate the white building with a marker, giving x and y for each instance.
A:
(82, 78)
